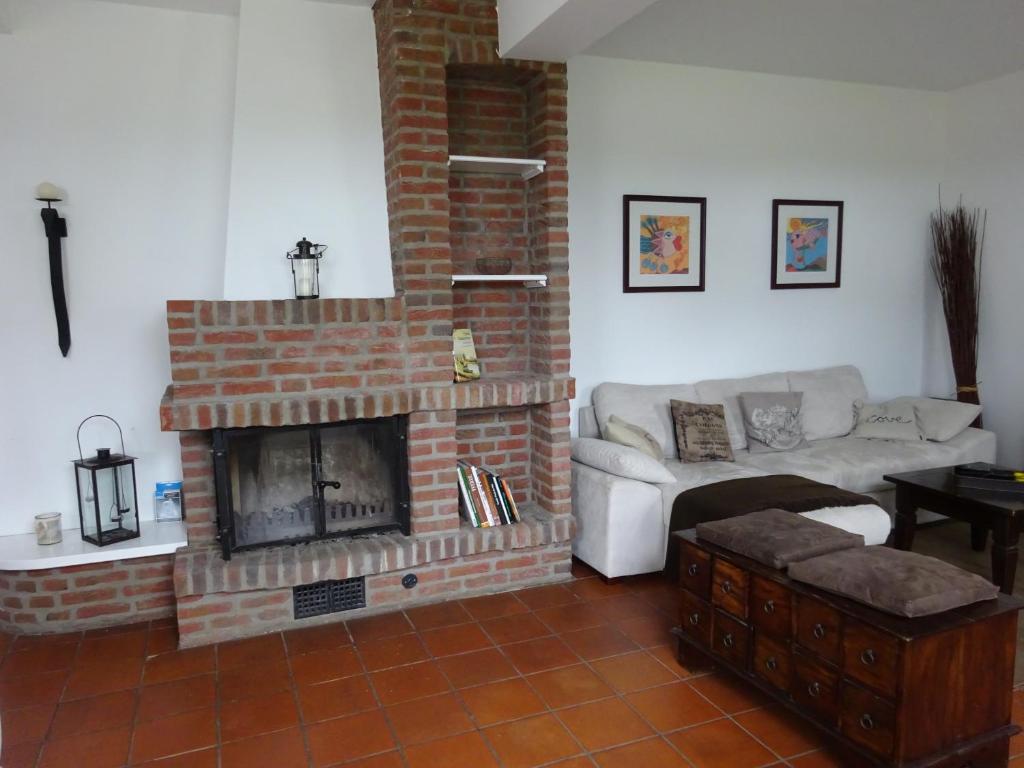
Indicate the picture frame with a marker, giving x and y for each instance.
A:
(807, 243)
(663, 243)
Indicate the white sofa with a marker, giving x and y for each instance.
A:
(622, 523)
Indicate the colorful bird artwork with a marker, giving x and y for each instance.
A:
(664, 245)
(807, 245)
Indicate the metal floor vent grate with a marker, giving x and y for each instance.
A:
(329, 597)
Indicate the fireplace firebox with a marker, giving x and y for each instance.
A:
(289, 485)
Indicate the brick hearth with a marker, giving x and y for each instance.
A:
(283, 363)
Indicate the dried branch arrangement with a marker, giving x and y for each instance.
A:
(958, 239)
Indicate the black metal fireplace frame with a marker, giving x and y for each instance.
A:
(400, 477)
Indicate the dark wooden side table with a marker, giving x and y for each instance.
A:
(936, 491)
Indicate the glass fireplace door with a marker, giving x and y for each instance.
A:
(288, 485)
(357, 466)
(272, 486)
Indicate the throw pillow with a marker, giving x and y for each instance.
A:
(942, 420)
(624, 433)
(772, 421)
(619, 460)
(701, 434)
(887, 421)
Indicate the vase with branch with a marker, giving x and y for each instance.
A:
(958, 240)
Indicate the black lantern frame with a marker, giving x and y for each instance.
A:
(103, 498)
(305, 261)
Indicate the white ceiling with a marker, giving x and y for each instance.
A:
(928, 44)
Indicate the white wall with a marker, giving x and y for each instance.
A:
(308, 151)
(129, 109)
(741, 140)
(986, 166)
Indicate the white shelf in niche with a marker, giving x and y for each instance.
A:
(511, 166)
(530, 281)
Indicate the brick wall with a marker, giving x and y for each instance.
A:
(227, 349)
(97, 594)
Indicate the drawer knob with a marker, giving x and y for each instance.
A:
(769, 607)
(692, 570)
(867, 657)
(727, 586)
(771, 664)
(727, 640)
(695, 619)
(867, 722)
(818, 631)
(814, 690)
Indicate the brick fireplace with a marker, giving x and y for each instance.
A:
(267, 364)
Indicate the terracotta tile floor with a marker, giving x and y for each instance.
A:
(573, 675)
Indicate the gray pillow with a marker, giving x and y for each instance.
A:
(941, 420)
(772, 421)
(619, 460)
(776, 537)
(894, 581)
(701, 432)
(887, 421)
(624, 433)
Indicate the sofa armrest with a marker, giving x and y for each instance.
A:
(620, 528)
(622, 460)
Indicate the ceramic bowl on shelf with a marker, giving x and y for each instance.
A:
(493, 265)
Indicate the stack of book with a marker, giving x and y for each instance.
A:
(485, 498)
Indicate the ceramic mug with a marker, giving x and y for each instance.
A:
(48, 528)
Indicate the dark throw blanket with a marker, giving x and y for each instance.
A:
(732, 498)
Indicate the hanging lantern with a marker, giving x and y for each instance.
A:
(107, 508)
(305, 259)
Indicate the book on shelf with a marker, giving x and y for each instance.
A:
(467, 366)
(484, 497)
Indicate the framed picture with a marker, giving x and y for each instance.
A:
(807, 243)
(662, 243)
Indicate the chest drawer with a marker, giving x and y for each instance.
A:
(818, 628)
(770, 607)
(871, 657)
(729, 588)
(816, 688)
(868, 720)
(695, 618)
(772, 661)
(695, 570)
(730, 639)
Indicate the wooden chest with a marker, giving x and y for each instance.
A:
(933, 691)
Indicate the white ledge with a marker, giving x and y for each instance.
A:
(530, 281)
(511, 166)
(21, 553)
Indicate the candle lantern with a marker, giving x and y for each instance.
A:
(107, 504)
(305, 259)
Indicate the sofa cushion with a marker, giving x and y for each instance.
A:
(621, 460)
(858, 465)
(941, 420)
(726, 392)
(902, 583)
(701, 434)
(886, 421)
(777, 538)
(624, 433)
(644, 405)
(829, 395)
(772, 421)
